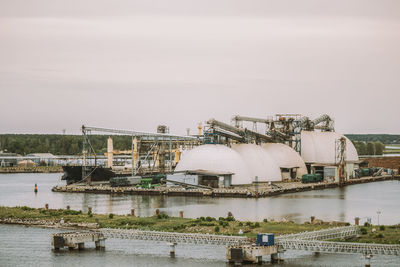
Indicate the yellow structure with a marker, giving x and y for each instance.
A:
(110, 152)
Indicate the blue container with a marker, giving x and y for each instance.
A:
(265, 239)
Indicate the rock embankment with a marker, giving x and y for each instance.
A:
(49, 223)
(238, 192)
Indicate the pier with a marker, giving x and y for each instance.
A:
(238, 192)
(239, 249)
(77, 240)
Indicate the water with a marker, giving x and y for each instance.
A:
(339, 204)
(28, 246)
(22, 246)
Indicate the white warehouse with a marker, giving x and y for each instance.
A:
(270, 162)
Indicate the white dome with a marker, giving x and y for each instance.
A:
(259, 162)
(216, 158)
(286, 157)
(320, 147)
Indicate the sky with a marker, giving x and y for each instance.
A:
(137, 64)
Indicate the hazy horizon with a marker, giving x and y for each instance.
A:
(137, 64)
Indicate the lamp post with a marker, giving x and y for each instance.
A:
(378, 212)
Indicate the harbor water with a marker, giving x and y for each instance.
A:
(30, 246)
(334, 204)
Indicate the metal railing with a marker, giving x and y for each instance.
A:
(174, 237)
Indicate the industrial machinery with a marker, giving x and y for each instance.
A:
(220, 132)
(286, 128)
(151, 153)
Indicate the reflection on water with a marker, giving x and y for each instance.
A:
(336, 204)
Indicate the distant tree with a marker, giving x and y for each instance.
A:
(361, 147)
(370, 148)
(379, 147)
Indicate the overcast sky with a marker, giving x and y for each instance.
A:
(136, 64)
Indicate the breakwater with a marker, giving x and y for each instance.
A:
(239, 192)
(36, 169)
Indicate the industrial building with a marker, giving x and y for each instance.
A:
(321, 153)
(285, 147)
(271, 157)
(249, 163)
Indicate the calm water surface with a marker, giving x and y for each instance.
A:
(28, 246)
(342, 204)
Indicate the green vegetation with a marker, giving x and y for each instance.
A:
(383, 138)
(370, 148)
(162, 222)
(58, 144)
(380, 235)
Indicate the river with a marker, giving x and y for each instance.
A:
(334, 204)
(22, 246)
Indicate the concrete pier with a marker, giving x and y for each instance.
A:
(249, 253)
(172, 249)
(77, 240)
(368, 260)
(238, 192)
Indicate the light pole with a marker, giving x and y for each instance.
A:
(378, 212)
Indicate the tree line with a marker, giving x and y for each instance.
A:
(58, 144)
(383, 138)
(370, 148)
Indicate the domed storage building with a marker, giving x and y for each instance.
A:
(219, 165)
(319, 152)
(213, 161)
(260, 162)
(289, 161)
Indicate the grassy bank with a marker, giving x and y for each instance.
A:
(162, 222)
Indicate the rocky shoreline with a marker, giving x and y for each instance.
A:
(50, 223)
(240, 192)
(36, 169)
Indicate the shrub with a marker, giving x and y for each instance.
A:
(90, 215)
(240, 224)
(220, 222)
(265, 220)
(366, 224)
(110, 215)
(257, 224)
(380, 236)
(382, 228)
(221, 219)
(347, 224)
(202, 218)
(210, 219)
(25, 208)
(248, 223)
(90, 212)
(162, 216)
(225, 224)
(216, 229)
(71, 212)
(230, 219)
(363, 231)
